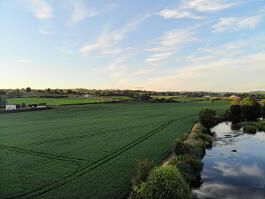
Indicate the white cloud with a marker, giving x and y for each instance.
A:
(24, 61)
(44, 32)
(159, 57)
(208, 5)
(236, 23)
(112, 52)
(214, 190)
(143, 72)
(238, 170)
(227, 49)
(176, 37)
(80, 11)
(115, 67)
(213, 73)
(108, 39)
(41, 9)
(177, 14)
(169, 43)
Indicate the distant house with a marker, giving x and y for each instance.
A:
(11, 106)
(88, 96)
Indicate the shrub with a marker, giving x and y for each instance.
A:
(164, 182)
(172, 161)
(2, 101)
(261, 126)
(190, 168)
(197, 147)
(200, 136)
(250, 108)
(208, 118)
(190, 147)
(143, 169)
(182, 148)
(250, 129)
(235, 110)
(198, 127)
(196, 143)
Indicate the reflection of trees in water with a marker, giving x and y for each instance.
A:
(234, 176)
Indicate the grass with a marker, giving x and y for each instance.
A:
(87, 151)
(64, 101)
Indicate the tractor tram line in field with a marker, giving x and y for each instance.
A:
(41, 154)
(83, 136)
(80, 172)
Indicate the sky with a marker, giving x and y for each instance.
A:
(161, 45)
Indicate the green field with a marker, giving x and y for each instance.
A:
(89, 151)
(64, 101)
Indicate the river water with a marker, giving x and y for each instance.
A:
(234, 168)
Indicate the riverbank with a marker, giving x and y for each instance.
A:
(179, 173)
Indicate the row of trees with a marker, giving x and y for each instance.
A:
(2, 101)
(115, 92)
(247, 109)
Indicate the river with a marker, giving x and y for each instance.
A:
(234, 168)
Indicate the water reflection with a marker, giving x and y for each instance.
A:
(235, 167)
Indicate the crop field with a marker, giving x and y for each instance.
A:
(89, 151)
(64, 101)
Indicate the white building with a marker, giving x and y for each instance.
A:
(88, 96)
(11, 106)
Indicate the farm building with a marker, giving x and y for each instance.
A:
(88, 96)
(11, 106)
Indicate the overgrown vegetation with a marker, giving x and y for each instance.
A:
(208, 117)
(254, 126)
(247, 109)
(143, 170)
(2, 101)
(163, 182)
(251, 129)
(182, 172)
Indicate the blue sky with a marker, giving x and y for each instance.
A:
(178, 45)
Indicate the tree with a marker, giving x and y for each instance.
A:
(48, 90)
(235, 110)
(2, 101)
(28, 89)
(208, 118)
(251, 109)
(164, 182)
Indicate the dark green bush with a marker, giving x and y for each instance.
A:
(196, 142)
(235, 111)
(260, 126)
(251, 109)
(208, 118)
(197, 147)
(190, 168)
(201, 136)
(163, 183)
(182, 148)
(250, 129)
(198, 127)
(143, 169)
